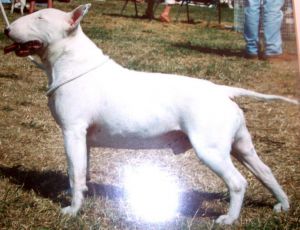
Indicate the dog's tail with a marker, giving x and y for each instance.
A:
(233, 92)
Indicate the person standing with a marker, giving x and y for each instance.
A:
(270, 15)
(165, 15)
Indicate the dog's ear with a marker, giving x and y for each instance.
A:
(77, 14)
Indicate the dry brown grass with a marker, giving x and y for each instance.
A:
(33, 165)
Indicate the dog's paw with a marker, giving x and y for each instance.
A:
(281, 207)
(71, 211)
(225, 220)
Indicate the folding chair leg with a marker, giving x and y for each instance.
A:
(219, 11)
(124, 6)
(187, 11)
(179, 10)
(136, 10)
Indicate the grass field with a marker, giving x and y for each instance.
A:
(33, 175)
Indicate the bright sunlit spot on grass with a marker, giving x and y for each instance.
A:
(151, 193)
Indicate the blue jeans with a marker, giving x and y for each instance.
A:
(271, 20)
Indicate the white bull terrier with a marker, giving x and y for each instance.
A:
(97, 102)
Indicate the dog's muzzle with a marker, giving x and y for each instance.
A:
(24, 49)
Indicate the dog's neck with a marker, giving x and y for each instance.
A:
(63, 59)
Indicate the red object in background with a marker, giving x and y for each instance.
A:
(32, 4)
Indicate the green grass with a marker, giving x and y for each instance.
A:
(32, 162)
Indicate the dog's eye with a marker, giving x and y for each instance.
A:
(40, 17)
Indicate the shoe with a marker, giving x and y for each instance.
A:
(280, 57)
(251, 56)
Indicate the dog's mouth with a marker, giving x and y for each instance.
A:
(24, 49)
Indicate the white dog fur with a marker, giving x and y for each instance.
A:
(96, 102)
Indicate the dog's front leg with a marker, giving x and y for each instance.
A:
(22, 7)
(76, 150)
(12, 6)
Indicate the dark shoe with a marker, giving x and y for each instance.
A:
(280, 57)
(251, 56)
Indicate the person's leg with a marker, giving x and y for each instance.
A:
(50, 3)
(165, 15)
(149, 9)
(272, 20)
(31, 6)
(251, 26)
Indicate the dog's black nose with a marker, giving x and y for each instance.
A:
(6, 31)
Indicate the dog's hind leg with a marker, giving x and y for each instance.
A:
(76, 150)
(243, 150)
(217, 157)
(22, 8)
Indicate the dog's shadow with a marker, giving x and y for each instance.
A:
(228, 52)
(52, 184)
(48, 184)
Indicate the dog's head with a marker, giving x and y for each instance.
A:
(35, 32)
